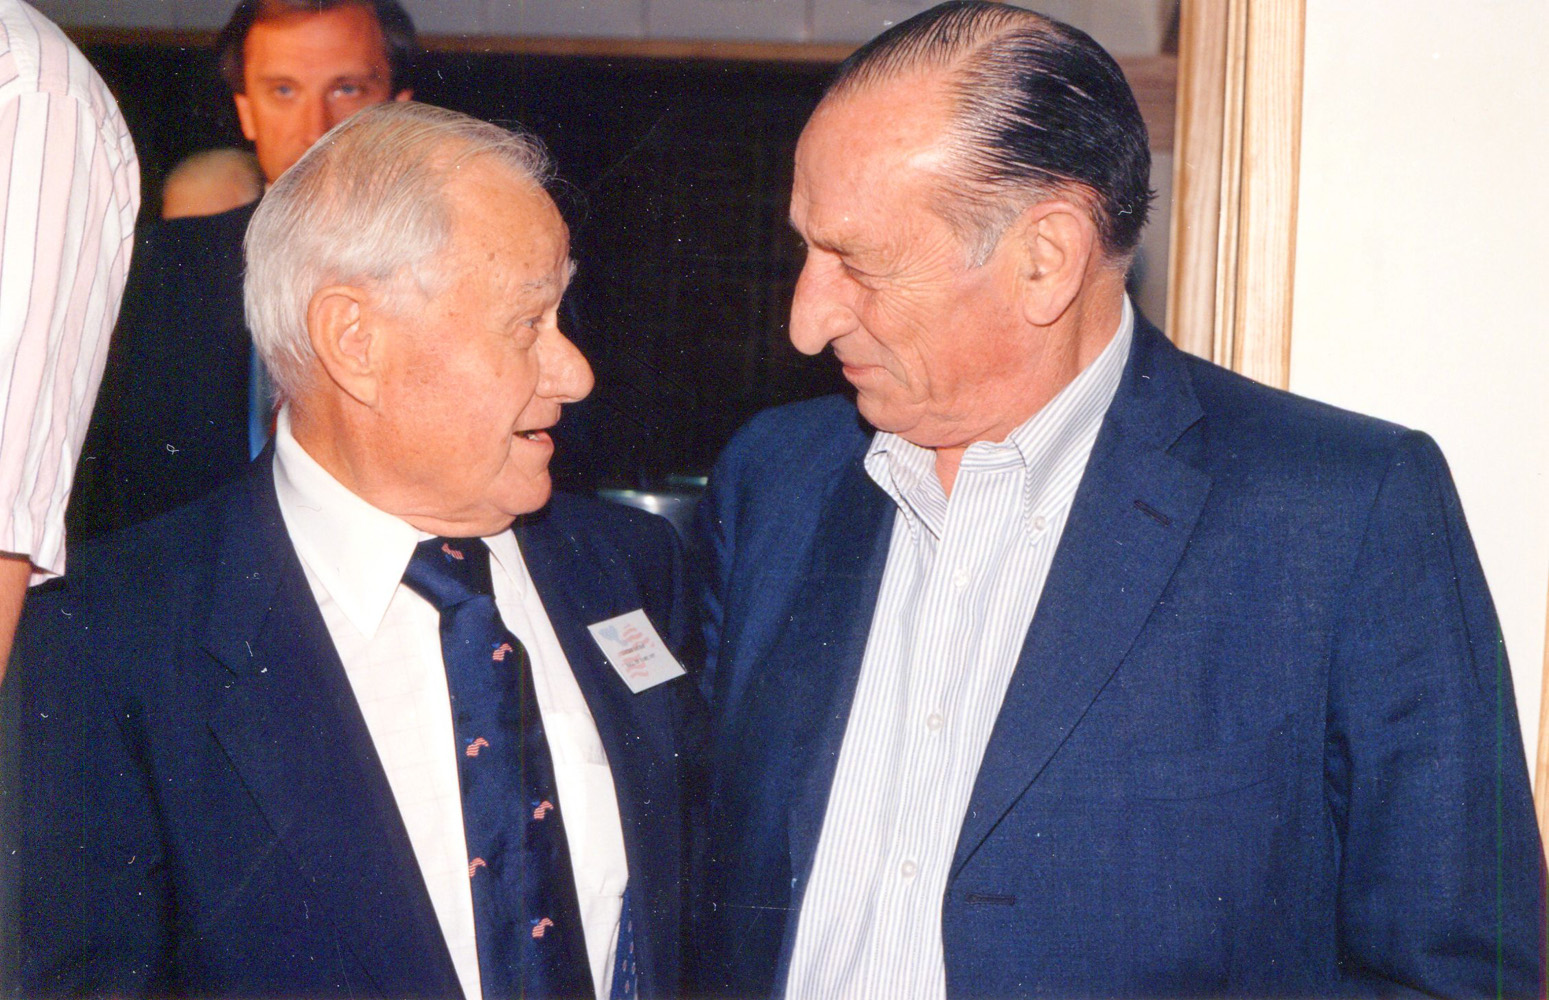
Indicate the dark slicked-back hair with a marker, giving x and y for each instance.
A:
(397, 31)
(1040, 110)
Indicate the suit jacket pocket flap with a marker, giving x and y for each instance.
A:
(1204, 771)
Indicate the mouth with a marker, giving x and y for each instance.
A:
(538, 435)
(854, 370)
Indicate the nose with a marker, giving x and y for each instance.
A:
(563, 375)
(819, 312)
(316, 118)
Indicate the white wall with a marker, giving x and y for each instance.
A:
(1423, 261)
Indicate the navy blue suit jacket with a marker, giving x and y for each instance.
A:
(1260, 740)
(170, 422)
(192, 804)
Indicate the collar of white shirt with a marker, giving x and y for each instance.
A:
(358, 552)
(1069, 421)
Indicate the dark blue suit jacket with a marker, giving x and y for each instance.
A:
(170, 422)
(1260, 740)
(192, 804)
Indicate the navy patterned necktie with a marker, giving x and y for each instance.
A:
(526, 917)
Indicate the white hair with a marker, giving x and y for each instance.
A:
(364, 206)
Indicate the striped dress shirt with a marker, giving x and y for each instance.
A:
(962, 581)
(69, 191)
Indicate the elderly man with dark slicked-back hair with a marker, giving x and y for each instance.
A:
(1059, 663)
(382, 717)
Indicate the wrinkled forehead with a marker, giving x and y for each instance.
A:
(501, 218)
(870, 132)
(884, 144)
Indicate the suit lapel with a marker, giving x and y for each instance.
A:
(830, 614)
(1131, 519)
(637, 731)
(293, 731)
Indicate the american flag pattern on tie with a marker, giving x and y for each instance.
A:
(626, 971)
(527, 920)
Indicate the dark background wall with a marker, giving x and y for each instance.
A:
(677, 175)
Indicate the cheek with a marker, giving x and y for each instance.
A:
(906, 332)
(279, 123)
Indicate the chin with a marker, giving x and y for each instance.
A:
(880, 415)
(531, 496)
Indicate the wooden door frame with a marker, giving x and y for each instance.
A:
(1236, 155)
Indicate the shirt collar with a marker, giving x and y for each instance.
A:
(357, 552)
(906, 471)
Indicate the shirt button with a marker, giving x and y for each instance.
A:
(908, 869)
(960, 578)
(934, 721)
(1040, 522)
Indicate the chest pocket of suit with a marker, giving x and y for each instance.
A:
(1204, 772)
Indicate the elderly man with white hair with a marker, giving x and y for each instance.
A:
(340, 728)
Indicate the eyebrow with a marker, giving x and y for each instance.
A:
(368, 74)
(848, 247)
(545, 283)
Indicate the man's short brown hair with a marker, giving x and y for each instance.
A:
(397, 31)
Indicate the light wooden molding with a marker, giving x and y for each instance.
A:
(1197, 156)
(1236, 157)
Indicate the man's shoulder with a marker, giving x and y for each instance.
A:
(167, 561)
(39, 56)
(773, 483)
(589, 515)
(815, 437)
(607, 534)
(1251, 425)
(182, 307)
(214, 240)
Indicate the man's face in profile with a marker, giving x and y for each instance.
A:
(473, 375)
(304, 73)
(930, 340)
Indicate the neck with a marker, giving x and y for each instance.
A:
(1070, 345)
(314, 426)
(358, 460)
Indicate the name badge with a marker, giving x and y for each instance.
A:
(638, 654)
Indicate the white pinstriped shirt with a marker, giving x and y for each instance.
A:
(69, 191)
(962, 581)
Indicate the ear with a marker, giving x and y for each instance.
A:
(406, 94)
(245, 116)
(338, 324)
(1056, 242)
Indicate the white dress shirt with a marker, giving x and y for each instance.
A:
(962, 581)
(389, 640)
(69, 191)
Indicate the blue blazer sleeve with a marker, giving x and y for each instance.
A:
(1441, 873)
